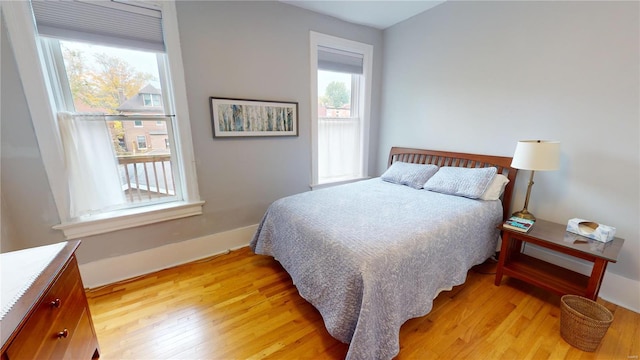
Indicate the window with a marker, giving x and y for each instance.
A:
(121, 142)
(340, 77)
(151, 99)
(93, 119)
(142, 142)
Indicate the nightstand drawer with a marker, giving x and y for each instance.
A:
(48, 331)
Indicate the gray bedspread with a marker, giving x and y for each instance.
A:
(371, 255)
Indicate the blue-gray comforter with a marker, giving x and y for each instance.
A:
(371, 255)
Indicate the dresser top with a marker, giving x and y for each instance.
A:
(38, 266)
(19, 269)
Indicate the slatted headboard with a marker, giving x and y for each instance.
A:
(446, 158)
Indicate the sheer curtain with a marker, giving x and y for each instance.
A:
(338, 149)
(90, 163)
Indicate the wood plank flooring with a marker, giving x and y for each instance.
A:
(244, 306)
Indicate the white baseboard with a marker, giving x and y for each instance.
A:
(614, 288)
(110, 270)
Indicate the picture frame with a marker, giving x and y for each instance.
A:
(253, 118)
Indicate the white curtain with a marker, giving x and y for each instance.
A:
(338, 149)
(91, 165)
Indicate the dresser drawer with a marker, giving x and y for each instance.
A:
(51, 326)
(82, 345)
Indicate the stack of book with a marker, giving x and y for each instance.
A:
(518, 224)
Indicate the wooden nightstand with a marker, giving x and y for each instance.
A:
(548, 276)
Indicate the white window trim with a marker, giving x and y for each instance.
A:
(319, 39)
(154, 100)
(128, 218)
(144, 138)
(22, 34)
(336, 183)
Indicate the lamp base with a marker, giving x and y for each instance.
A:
(524, 214)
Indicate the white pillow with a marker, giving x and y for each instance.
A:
(495, 188)
(461, 181)
(412, 175)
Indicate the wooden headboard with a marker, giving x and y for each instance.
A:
(446, 158)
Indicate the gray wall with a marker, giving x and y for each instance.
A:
(479, 76)
(252, 50)
(464, 76)
(28, 210)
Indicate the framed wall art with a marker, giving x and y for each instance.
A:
(247, 118)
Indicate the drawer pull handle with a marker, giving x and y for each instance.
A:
(56, 303)
(63, 334)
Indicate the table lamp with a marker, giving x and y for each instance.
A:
(535, 155)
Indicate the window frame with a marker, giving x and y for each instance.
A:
(138, 141)
(30, 58)
(144, 99)
(154, 99)
(363, 100)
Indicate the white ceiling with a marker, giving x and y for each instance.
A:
(374, 13)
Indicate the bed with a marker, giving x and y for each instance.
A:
(372, 254)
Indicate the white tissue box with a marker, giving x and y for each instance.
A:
(591, 229)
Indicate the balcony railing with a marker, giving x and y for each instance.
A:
(146, 177)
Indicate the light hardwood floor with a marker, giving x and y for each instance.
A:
(244, 306)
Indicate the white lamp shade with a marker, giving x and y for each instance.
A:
(537, 155)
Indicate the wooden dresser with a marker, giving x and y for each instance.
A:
(51, 320)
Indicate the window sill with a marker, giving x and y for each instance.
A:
(336, 183)
(125, 219)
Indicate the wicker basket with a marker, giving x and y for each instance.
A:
(583, 322)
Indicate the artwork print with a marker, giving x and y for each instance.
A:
(246, 118)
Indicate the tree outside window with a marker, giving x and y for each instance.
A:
(336, 94)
